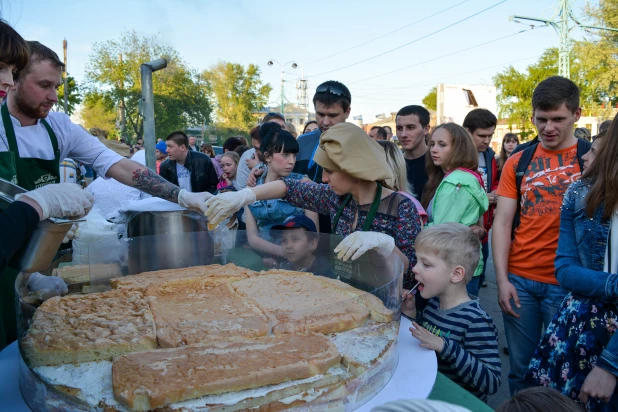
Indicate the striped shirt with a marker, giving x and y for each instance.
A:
(470, 356)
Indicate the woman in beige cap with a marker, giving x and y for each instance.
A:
(362, 208)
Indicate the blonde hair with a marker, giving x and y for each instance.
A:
(454, 243)
(396, 161)
(463, 154)
(232, 155)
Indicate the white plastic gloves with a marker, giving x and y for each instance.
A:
(46, 286)
(224, 205)
(73, 233)
(63, 200)
(355, 245)
(195, 201)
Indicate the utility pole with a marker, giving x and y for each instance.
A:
(121, 108)
(64, 75)
(294, 65)
(301, 87)
(560, 23)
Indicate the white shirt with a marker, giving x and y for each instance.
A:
(184, 177)
(483, 170)
(68, 171)
(243, 171)
(73, 142)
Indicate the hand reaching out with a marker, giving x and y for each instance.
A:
(428, 340)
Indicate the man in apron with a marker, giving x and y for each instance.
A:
(33, 140)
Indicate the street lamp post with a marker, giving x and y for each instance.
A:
(294, 65)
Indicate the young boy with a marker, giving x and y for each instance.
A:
(461, 333)
(299, 241)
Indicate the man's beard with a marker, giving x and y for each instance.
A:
(33, 112)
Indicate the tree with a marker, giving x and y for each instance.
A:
(113, 73)
(74, 97)
(431, 100)
(99, 112)
(238, 92)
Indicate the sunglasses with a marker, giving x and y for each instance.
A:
(332, 89)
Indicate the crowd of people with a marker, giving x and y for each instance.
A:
(551, 205)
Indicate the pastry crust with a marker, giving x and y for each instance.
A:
(142, 280)
(84, 328)
(190, 311)
(152, 379)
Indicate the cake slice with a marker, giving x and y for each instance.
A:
(190, 311)
(84, 328)
(301, 303)
(152, 379)
(142, 280)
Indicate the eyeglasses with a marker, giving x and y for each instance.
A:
(332, 89)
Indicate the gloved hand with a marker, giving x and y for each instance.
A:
(224, 205)
(61, 200)
(355, 245)
(46, 286)
(196, 201)
(73, 233)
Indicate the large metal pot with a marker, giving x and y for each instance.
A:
(167, 240)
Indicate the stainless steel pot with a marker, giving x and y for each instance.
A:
(37, 254)
(167, 240)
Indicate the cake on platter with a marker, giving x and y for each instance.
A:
(216, 338)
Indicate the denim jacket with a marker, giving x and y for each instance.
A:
(268, 213)
(581, 255)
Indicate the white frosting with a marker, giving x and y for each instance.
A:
(356, 345)
(306, 396)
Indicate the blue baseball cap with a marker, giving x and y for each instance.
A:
(162, 147)
(297, 221)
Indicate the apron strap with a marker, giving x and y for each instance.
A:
(53, 138)
(370, 216)
(10, 131)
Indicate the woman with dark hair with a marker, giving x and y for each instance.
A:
(578, 354)
(206, 148)
(229, 145)
(509, 143)
(310, 126)
(278, 149)
(455, 190)
(362, 208)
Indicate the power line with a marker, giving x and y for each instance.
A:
(413, 41)
(387, 34)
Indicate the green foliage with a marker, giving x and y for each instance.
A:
(431, 100)
(238, 92)
(98, 111)
(74, 96)
(223, 133)
(180, 97)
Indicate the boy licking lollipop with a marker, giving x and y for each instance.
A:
(461, 333)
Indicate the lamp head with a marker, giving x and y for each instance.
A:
(294, 65)
(270, 63)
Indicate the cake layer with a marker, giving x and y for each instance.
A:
(93, 327)
(156, 378)
(301, 302)
(190, 311)
(143, 280)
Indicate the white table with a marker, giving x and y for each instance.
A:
(413, 379)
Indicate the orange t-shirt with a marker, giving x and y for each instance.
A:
(548, 176)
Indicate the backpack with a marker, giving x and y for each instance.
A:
(583, 146)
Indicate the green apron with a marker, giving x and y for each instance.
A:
(29, 173)
(359, 272)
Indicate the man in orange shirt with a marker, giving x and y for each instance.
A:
(528, 291)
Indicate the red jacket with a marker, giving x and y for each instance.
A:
(492, 179)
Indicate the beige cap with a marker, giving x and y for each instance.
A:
(346, 148)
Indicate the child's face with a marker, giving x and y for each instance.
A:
(433, 273)
(297, 245)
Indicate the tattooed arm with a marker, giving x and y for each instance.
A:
(140, 177)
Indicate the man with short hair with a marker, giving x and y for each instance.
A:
(378, 133)
(192, 144)
(192, 171)
(481, 124)
(524, 259)
(412, 124)
(389, 133)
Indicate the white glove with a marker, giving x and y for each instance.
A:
(224, 205)
(63, 200)
(195, 201)
(355, 245)
(73, 233)
(47, 286)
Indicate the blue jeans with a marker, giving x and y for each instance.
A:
(485, 256)
(539, 303)
(473, 286)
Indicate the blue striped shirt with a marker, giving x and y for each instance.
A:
(470, 356)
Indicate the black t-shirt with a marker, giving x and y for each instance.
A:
(417, 175)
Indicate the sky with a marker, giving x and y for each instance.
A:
(389, 53)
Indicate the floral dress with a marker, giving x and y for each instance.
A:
(571, 346)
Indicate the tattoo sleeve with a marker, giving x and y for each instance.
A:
(149, 182)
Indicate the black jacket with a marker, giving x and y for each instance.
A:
(203, 174)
